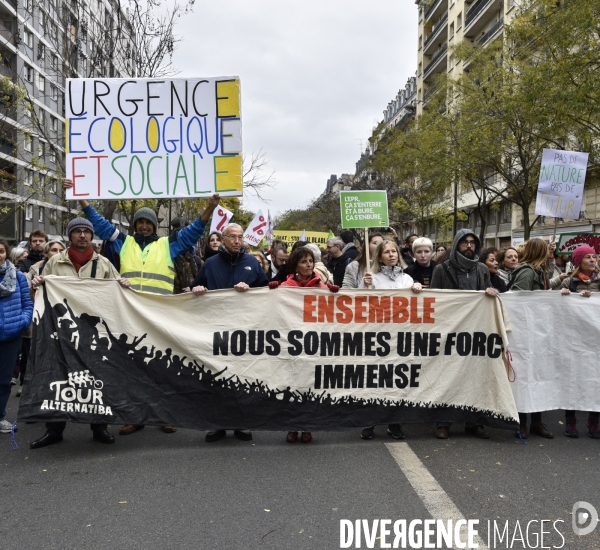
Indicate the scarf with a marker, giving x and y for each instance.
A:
(467, 280)
(79, 259)
(9, 283)
(391, 271)
(145, 241)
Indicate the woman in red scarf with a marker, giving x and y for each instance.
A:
(301, 266)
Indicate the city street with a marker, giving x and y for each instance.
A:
(155, 490)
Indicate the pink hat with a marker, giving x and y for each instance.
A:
(580, 252)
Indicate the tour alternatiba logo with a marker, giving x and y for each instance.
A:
(81, 393)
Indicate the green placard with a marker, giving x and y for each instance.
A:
(364, 209)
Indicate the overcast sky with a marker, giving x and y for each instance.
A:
(315, 76)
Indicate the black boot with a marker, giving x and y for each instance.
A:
(48, 438)
(103, 435)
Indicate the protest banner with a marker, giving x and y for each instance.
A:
(153, 138)
(561, 186)
(364, 209)
(555, 362)
(570, 241)
(220, 219)
(257, 229)
(295, 360)
(290, 237)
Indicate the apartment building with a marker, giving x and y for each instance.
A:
(442, 25)
(42, 43)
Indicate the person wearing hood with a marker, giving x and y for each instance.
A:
(146, 260)
(230, 268)
(463, 271)
(349, 247)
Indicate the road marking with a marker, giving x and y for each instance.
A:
(436, 500)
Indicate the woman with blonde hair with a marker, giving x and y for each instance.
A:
(531, 274)
(387, 272)
(261, 259)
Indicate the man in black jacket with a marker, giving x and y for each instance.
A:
(337, 260)
(230, 268)
(463, 271)
(37, 241)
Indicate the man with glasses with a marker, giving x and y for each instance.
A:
(79, 260)
(279, 258)
(337, 260)
(230, 268)
(463, 271)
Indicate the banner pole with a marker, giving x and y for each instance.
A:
(366, 245)
(555, 226)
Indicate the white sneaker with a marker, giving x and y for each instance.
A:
(14, 381)
(5, 427)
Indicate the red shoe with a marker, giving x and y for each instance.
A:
(306, 437)
(292, 437)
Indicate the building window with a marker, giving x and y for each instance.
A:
(41, 84)
(506, 212)
(41, 149)
(54, 62)
(29, 212)
(54, 123)
(459, 21)
(52, 155)
(28, 177)
(41, 214)
(27, 143)
(53, 92)
(53, 185)
(28, 5)
(28, 73)
(28, 38)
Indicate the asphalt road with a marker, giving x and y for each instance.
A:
(152, 490)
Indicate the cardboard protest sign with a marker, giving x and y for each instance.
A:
(562, 179)
(364, 209)
(570, 241)
(297, 360)
(153, 138)
(220, 219)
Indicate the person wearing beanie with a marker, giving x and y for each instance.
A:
(532, 274)
(145, 259)
(584, 280)
(79, 260)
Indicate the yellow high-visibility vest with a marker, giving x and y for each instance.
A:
(148, 270)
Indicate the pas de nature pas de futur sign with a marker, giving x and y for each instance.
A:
(153, 138)
(364, 209)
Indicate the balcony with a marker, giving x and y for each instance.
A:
(436, 9)
(435, 64)
(439, 33)
(491, 33)
(479, 15)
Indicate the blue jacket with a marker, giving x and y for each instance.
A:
(179, 242)
(16, 310)
(224, 270)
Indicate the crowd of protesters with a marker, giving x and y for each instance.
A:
(176, 264)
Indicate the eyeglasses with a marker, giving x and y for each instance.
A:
(81, 231)
(468, 243)
(234, 237)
